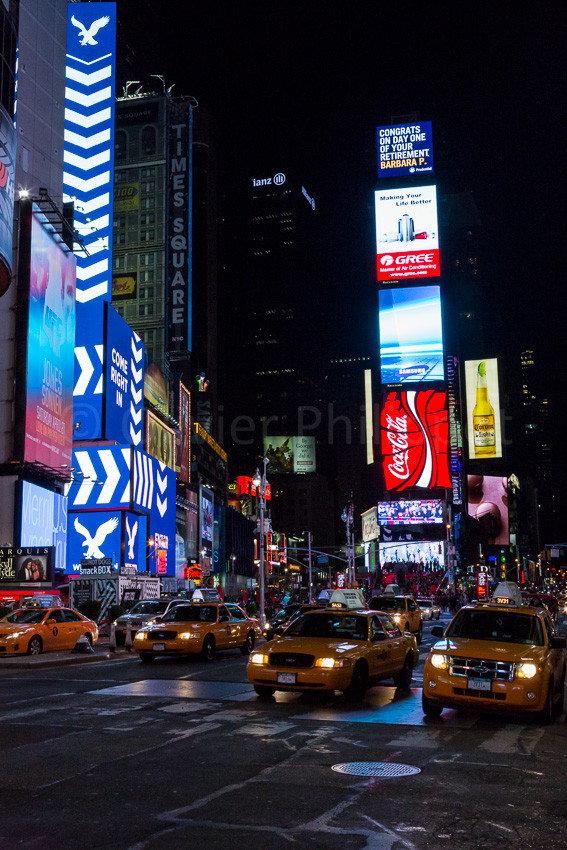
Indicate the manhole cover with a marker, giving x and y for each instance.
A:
(376, 768)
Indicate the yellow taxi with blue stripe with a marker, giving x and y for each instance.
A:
(501, 655)
(343, 647)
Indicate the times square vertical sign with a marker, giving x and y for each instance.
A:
(179, 229)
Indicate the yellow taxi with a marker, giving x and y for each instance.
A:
(342, 647)
(37, 630)
(195, 627)
(403, 609)
(500, 655)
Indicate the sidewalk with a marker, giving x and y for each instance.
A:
(60, 659)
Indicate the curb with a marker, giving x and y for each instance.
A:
(15, 663)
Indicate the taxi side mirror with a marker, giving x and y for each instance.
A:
(437, 631)
(558, 643)
(378, 636)
(51, 622)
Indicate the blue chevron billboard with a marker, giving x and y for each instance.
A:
(89, 144)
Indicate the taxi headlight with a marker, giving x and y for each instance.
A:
(439, 661)
(267, 626)
(329, 662)
(258, 658)
(187, 635)
(397, 617)
(526, 671)
(17, 634)
(141, 635)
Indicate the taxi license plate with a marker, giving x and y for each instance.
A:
(479, 684)
(159, 647)
(287, 678)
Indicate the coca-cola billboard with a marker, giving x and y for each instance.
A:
(414, 428)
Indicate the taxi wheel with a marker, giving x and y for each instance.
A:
(146, 657)
(547, 715)
(248, 646)
(264, 691)
(35, 646)
(430, 709)
(561, 699)
(419, 636)
(403, 678)
(209, 648)
(359, 681)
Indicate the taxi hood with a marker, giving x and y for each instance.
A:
(312, 645)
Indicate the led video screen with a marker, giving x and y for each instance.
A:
(487, 499)
(421, 512)
(424, 554)
(411, 335)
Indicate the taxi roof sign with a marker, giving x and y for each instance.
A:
(347, 598)
(507, 593)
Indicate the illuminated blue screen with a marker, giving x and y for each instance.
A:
(411, 335)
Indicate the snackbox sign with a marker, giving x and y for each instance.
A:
(407, 242)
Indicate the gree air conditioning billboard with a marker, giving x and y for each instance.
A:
(407, 233)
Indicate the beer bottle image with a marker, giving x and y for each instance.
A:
(484, 427)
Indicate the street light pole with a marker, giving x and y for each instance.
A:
(261, 485)
(310, 573)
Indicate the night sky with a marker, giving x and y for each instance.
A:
(317, 78)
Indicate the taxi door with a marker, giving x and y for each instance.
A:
(414, 614)
(224, 632)
(397, 640)
(238, 625)
(54, 635)
(381, 660)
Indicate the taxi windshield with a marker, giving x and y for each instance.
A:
(387, 603)
(191, 614)
(329, 625)
(500, 626)
(152, 607)
(27, 616)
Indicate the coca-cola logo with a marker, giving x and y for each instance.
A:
(415, 440)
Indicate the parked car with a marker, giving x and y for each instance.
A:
(32, 631)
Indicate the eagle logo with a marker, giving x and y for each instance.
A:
(132, 532)
(87, 36)
(94, 543)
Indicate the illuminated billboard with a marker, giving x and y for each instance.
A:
(46, 285)
(410, 513)
(7, 172)
(124, 386)
(183, 436)
(414, 428)
(160, 440)
(43, 521)
(290, 454)
(411, 335)
(407, 234)
(487, 500)
(421, 555)
(404, 149)
(483, 409)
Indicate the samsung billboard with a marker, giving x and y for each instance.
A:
(404, 149)
(407, 233)
(411, 335)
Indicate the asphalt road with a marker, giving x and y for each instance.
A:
(182, 754)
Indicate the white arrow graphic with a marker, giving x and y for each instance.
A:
(161, 483)
(161, 506)
(135, 435)
(88, 79)
(137, 352)
(126, 454)
(88, 100)
(87, 370)
(86, 162)
(112, 477)
(136, 394)
(136, 373)
(88, 207)
(92, 62)
(87, 185)
(135, 414)
(100, 351)
(91, 271)
(86, 295)
(85, 465)
(86, 142)
(88, 227)
(88, 121)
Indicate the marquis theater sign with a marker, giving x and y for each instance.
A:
(414, 428)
